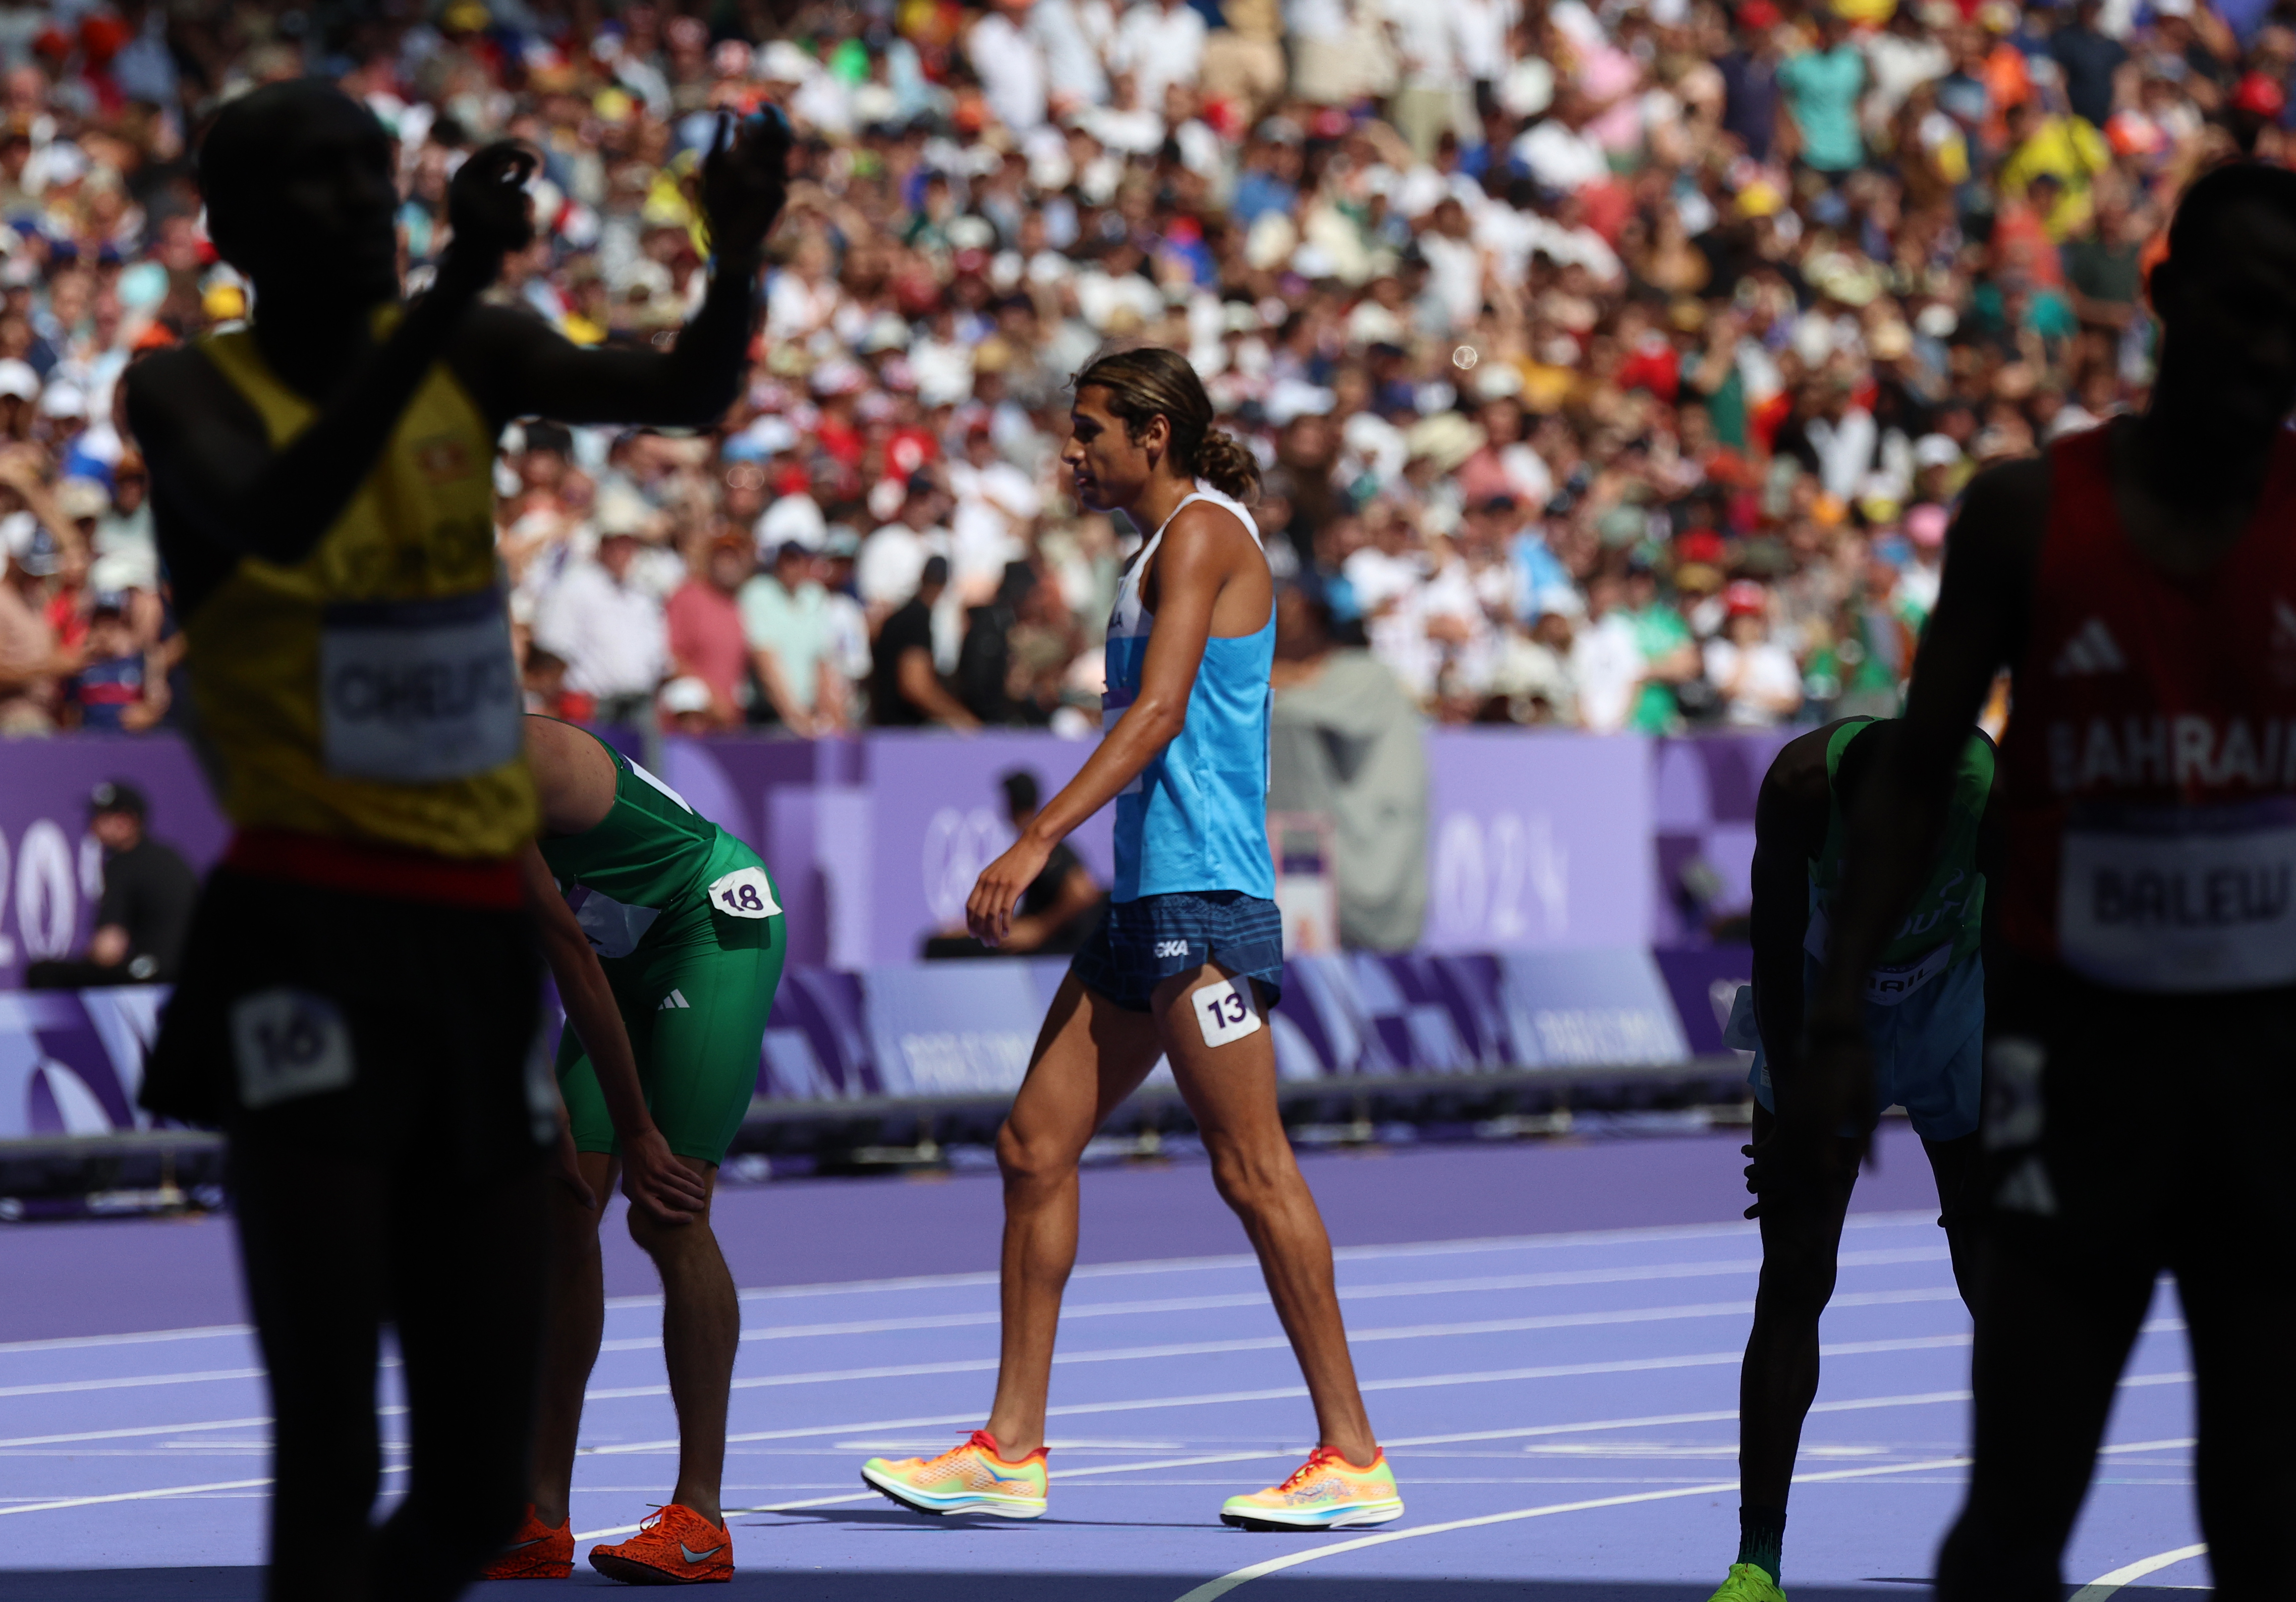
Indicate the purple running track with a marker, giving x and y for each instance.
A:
(1539, 1328)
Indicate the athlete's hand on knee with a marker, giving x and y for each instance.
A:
(1761, 1172)
(745, 181)
(988, 910)
(490, 210)
(653, 1178)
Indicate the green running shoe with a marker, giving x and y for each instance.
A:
(1749, 1582)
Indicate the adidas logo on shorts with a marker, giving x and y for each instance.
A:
(673, 1001)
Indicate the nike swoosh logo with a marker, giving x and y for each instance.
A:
(690, 1556)
(516, 1546)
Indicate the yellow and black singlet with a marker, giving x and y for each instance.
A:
(366, 695)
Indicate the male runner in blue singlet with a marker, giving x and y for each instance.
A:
(1184, 966)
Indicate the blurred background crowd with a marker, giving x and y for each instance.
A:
(1612, 364)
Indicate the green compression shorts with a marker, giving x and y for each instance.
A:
(694, 998)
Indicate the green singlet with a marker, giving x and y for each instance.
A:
(686, 923)
(1950, 910)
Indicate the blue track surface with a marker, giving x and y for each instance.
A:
(1574, 1393)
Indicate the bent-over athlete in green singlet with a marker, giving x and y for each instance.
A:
(1925, 1022)
(682, 941)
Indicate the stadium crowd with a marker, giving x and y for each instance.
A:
(1611, 366)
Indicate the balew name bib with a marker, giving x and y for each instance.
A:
(2172, 899)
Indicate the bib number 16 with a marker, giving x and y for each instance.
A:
(744, 893)
(1223, 1012)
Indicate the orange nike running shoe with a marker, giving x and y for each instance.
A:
(536, 1552)
(675, 1547)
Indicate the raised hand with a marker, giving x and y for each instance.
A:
(491, 213)
(745, 181)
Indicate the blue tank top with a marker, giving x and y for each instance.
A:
(1196, 817)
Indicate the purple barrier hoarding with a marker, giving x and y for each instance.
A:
(1540, 841)
(1702, 794)
(70, 1062)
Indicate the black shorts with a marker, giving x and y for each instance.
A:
(2121, 1124)
(358, 1024)
(1142, 943)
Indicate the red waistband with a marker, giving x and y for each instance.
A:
(489, 883)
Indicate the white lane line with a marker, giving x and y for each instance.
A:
(1244, 1260)
(1258, 1298)
(136, 1496)
(1285, 1453)
(139, 1429)
(129, 1382)
(2105, 1585)
(1271, 1343)
(77, 1342)
(1214, 1588)
(1291, 1392)
(1106, 1270)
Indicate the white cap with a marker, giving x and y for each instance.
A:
(17, 379)
(1935, 450)
(687, 694)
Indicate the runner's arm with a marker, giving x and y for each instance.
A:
(1790, 820)
(241, 496)
(519, 366)
(1192, 569)
(1894, 828)
(652, 1175)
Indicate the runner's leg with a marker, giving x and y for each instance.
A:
(2238, 1288)
(2059, 1321)
(469, 1320)
(1090, 1055)
(1958, 1166)
(1231, 1090)
(577, 1323)
(311, 1237)
(701, 1333)
(1802, 1240)
(706, 1002)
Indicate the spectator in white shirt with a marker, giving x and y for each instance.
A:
(996, 503)
(1559, 151)
(1389, 576)
(1009, 62)
(1073, 35)
(1159, 43)
(1606, 659)
(1843, 436)
(1753, 676)
(1480, 31)
(608, 629)
(803, 296)
(893, 558)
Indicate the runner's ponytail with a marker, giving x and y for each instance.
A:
(1228, 465)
